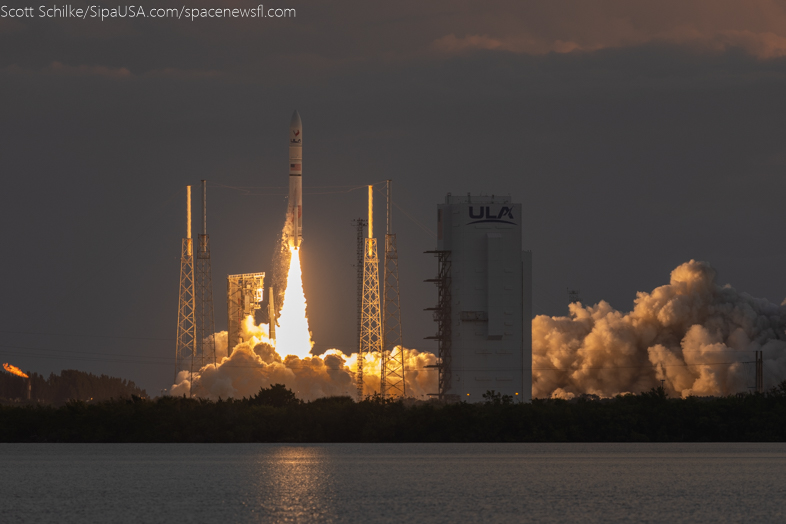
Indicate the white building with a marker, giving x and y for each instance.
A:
(490, 296)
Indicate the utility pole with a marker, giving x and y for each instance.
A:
(760, 372)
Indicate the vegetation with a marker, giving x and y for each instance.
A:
(276, 415)
(69, 385)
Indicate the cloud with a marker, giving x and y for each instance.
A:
(452, 44)
(59, 68)
(692, 334)
(758, 27)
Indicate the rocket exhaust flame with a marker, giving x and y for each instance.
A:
(292, 334)
(14, 370)
(286, 359)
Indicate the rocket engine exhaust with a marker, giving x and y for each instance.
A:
(280, 352)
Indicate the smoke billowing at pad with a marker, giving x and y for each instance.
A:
(692, 333)
(255, 364)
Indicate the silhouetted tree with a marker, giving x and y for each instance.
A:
(276, 395)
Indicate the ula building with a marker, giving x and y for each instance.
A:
(484, 308)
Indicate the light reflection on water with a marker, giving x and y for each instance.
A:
(360, 483)
(293, 484)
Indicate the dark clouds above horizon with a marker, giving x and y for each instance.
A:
(637, 135)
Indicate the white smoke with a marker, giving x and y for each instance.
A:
(255, 364)
(691, 333)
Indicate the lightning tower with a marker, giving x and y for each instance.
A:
(370, 315)
(186, 322)
(360, 225)
(392, 384)
(205, 319)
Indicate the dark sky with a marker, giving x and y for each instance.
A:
(637, 135)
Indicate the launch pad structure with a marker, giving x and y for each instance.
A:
(360, 225)
(484, 310)
(392, 373)
(186, 345)
(442, 315)
(370, 312)
(245, 294)
(379, 318)
(195, 317)
(205, 315)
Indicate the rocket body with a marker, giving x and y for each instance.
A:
(295, 206)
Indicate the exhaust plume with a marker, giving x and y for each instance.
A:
(14, 370)
(292, 334)
(696, 336)
(256, 364)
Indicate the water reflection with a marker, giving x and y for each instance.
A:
(294, 485)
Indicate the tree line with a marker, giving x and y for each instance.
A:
(276, 415)
(69, 385)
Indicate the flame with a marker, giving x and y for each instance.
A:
(292, 334)
(14, 370)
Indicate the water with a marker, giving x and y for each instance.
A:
(401, 483)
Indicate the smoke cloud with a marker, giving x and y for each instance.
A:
(255, 364)
(694, 334)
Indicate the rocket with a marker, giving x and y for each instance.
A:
(295, 207)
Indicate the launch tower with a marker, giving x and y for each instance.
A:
(392, 376)
(205, 319)
(360, 225)
(186, 321)
(245, 294)
(370, 321)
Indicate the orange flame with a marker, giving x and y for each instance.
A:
(292, 335)
(14, 370)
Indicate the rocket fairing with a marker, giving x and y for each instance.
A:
(295, 206)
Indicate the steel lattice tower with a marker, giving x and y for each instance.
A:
(442, 316)
(371, 313)
(186, 322)
(393, 383)
(360, 223)
(205, 317)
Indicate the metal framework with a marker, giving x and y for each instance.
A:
(360, 224)
(244, 296)
(186, 321)
(442, 314)
(205, 314)
(371, 308)
(370, 321)
(392, 376)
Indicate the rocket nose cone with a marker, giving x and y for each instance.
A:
(295, 130)
(295, 120)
